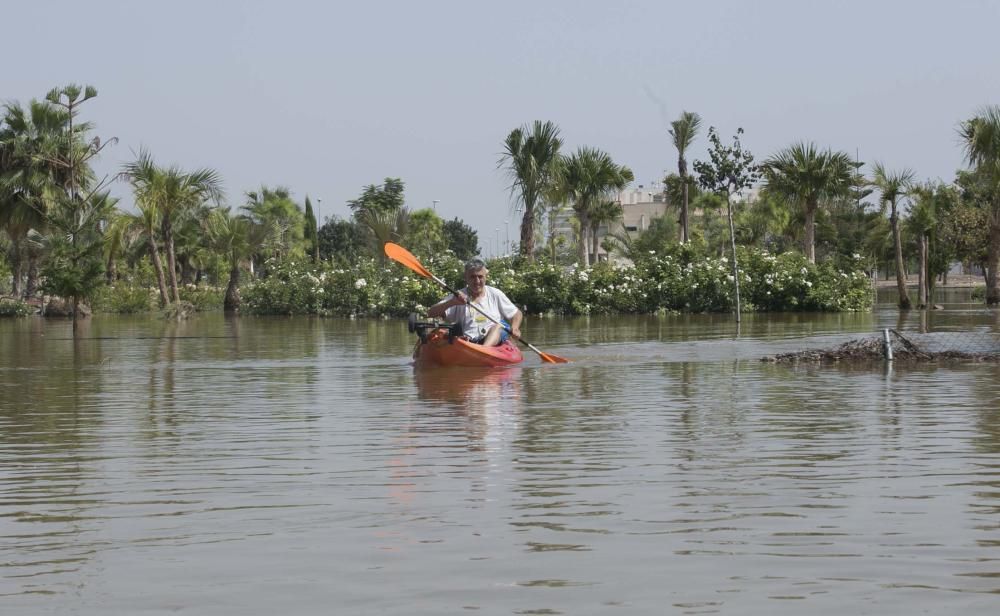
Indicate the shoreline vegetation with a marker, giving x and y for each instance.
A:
(800, 231)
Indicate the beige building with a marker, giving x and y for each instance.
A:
(640, 205)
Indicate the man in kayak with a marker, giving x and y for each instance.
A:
(490, 300)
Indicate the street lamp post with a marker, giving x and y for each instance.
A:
(497, 231)
(506, 227)
(436, 201)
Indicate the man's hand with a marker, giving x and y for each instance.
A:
(514, 329)
(458, 299)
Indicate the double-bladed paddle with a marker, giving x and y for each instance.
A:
(401, 255)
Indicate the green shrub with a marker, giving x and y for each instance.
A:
(681, 279)
(123, 299)
(202, 298)
(14, 308)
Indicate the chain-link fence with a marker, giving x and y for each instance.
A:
(973, 344)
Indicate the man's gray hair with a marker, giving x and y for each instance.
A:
(474, 264)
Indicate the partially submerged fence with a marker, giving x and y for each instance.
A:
(975, 344)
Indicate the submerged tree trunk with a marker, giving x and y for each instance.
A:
(528, 232)
(583, 252)
(31, 285)
(154, 252)
(810, 239)
(732, 242)
(111, 269)
(232, 299)
(684, 208)
(922, 274)
(168, 240)
(15, 278)
(992, 264)
(904, 298)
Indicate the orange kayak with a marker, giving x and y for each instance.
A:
(438, 348)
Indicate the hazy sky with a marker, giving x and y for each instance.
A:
(325, 98)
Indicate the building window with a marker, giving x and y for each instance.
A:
(630, 229)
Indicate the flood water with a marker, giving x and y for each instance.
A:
(303, 466)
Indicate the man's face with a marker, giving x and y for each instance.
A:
(475, 280)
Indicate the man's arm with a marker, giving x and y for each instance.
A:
(438, 310)
(515, 323)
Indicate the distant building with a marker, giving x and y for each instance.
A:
(640, 205)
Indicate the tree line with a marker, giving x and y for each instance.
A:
(62, 233)
(815, 200)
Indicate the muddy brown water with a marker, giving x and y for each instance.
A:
(304, 466)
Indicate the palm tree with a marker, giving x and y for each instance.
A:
(237, 237)
(30, 179)
(167, 195)
(122, 231)
(981, 137)
(604, 213)
(531, 156)
(590, 177)
(683, 131)
(803, 175)
(275, 208)
(893, 185)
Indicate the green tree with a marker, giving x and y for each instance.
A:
(893, 185)
(311, 230)
(274, 209)
(32, 140)
(342, 241)
(121, 232)
(966, 228)
(981, 139)
(237, 238)
(932, 204)
(166, 196)
(386, 197)
(425, 235)
(602, 216)
(804, 176)
(57, 181)
(589, 177)
(729, 170)
(657, 237)
(462, 239)
(683, 132)
(531, 157)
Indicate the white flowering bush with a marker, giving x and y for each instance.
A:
(680, 280)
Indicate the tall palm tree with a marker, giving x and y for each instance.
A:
(683, 131)
(168, 194)
(531, 157)
(803, 175)
(931, 204)
(981, 138)
(590, 177)
(893, 185)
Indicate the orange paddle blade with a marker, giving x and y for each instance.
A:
(401, 255)
(552, 359)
